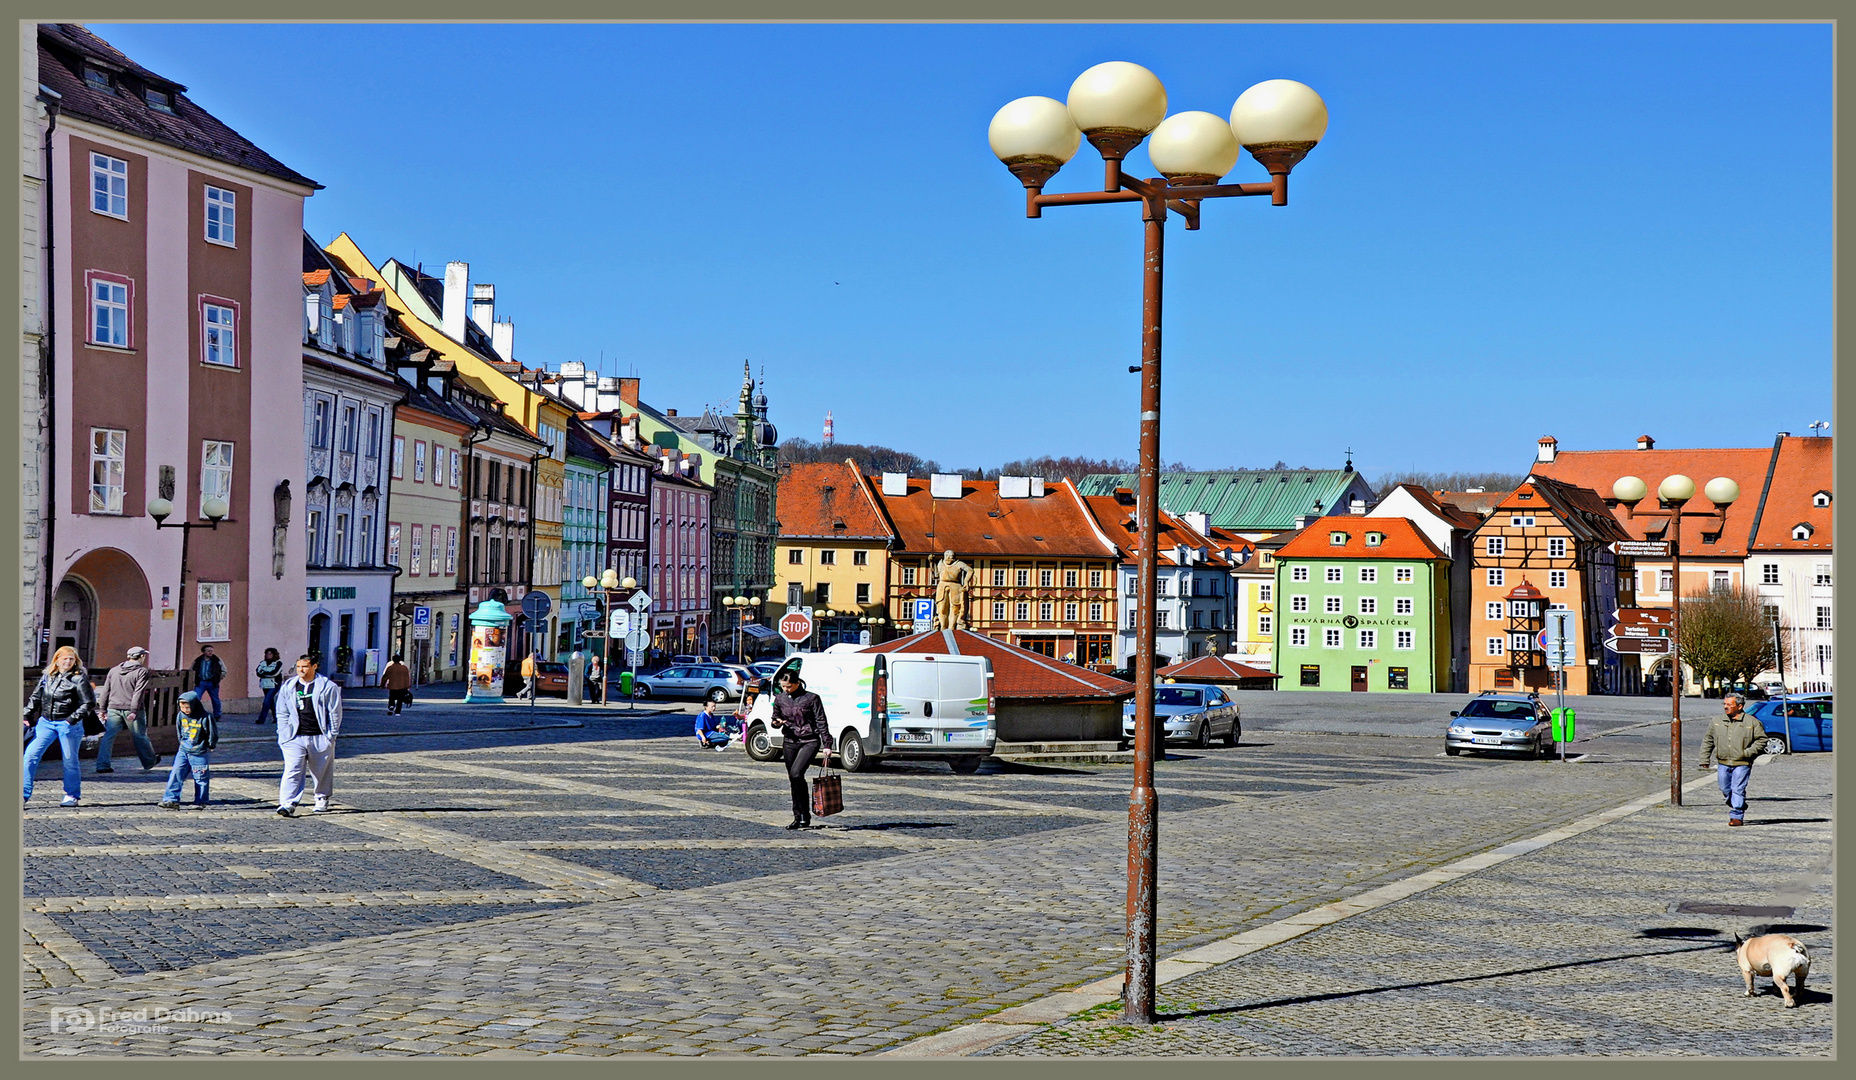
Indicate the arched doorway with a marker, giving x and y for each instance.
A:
(319, 638)
(105, 598)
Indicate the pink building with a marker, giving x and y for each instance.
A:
(173, 255)
(679, 581)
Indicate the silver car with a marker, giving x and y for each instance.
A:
(1512, 723)
(1191, 711)
(712, 682)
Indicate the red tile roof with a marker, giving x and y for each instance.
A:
(828, 500)
(1599, 469)
(1116, 518)
(1402, 540)
(1580, 509)
(979, 522)
(1017, 674)
(1479, 503)
(315, 278)
(1214, 669)
(1804, 468)
(341, 298)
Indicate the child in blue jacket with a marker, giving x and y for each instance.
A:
(198, 735)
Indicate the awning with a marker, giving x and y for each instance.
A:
(757, 631)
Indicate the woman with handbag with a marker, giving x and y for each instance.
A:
(61, 702)
(804, 733)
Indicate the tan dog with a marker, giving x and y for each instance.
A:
(1777, 956)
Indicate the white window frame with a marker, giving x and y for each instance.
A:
(1402, 575)
(1520, 642)
(104, 300)
(1298, 603)
(1824, 617)
(218, 332)
(1404, 605)
(1264, 623)
(1331, 605)
(1369, 575)
(221, 216)
(1495, 577)
(1556, 579)
(1522, 521)
(1404, 640)
(1336, 573)
(416, 538)
(1095, 611)
(110, 465)
(212, 602)
(1046, 610)
(1492, 610)
(1021, 611)
(1298, 573)
(1368, 639)
(1556, 547)
(216, 464)
(114, 189)
(1821, 573)
(1071, 611)
(998, 611)
(1769, 573)
(1298, 637)
(1497, 646)
(998, 578)
(1665, 580)
(1022, 578)
(1331, 638)
(1494, 546)
(1046, 578)
(393, 543)
(1264, 592)
(1369, 605)
(339, 550)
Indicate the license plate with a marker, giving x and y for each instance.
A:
(909, 736)
(1489, 739)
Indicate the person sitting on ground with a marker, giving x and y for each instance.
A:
(710, 732)
(198, 735)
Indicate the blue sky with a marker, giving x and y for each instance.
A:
(1593, 232)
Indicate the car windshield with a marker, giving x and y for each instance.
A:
(1172, 695)
(1516, 711)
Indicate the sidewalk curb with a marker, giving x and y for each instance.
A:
(1010, 1023)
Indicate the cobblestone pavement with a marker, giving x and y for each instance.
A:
(609, 888)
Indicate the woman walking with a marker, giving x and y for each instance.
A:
(805, 732)
(270, 677)
(61, 701)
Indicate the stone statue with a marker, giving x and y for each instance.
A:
(950, 595)
(280, 526)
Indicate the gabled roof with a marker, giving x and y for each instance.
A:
(1251, 500)
(584, 444)
(1580, 509)
(1213, 669)
(1803, 468)
(1478, 503)
(1597, 470)
(1115, 515)
(828, 500)
(64, 49)
(1402, 540)
(1016, 673)
(1455, 516)
(979, 522)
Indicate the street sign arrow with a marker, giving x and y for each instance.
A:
(1641, 548)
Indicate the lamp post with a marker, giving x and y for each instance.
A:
(1117, 105)
(740, 604)
(214, 510)
(1673, 493)
(604, 584)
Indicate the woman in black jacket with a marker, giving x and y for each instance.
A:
(61, 701)
(804, 732)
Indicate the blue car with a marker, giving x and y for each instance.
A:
(1807, 729)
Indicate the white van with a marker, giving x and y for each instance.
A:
(926, 705)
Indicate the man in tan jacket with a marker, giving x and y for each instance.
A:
(1733, 740)
(397, 678)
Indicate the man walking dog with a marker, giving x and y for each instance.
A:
(309, 716)
(1734, 739)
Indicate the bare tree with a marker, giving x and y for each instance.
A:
(1450, 481)
(1726, 636)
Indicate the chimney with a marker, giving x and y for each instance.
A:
(1644, 442)
(896, 484)
(503, 339)
(607, 398)
(628, 392)
(457, 285)
(1037, 487)
(1198, 521)
(483, 306)
(1357, 506)
(944, 485)
(1302, 520)
(1549, 449)
(694, 460)
(1014, 487)
(670, 412)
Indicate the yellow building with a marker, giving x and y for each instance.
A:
(832, 553)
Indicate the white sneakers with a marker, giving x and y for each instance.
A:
(322, 806)
(69, 800)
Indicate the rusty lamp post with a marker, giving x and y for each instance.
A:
(1674, 493)
(214, 510)
(1117, 105)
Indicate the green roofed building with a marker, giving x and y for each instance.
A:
(1250, 502)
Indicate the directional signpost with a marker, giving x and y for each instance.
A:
(536, 606)
(637, 636)
(1644, 631)
(1642, 549)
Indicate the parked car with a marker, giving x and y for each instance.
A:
(1801, 723)
(764, 669)
(711, 681)
(677, 661)
(1194, 712)
(892, 705)
(550, 677)
(1503, 723)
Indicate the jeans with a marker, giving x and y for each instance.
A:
(1733, 780)
(714, 738)
(186, 761)
(67, 734)
(137, 723)
(269, 708)
(210, 689)
(799, 757)
(307, 755)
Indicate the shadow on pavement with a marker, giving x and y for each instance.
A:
(1787, 821)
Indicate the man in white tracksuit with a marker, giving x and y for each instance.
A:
(309, 717)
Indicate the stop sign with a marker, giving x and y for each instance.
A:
(795, 626)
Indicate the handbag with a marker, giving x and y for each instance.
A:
(827, 791)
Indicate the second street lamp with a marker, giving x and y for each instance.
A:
(604, 584)
(214, 510)
(1116, 105)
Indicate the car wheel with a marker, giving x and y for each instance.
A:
(1123, 745)
(1237, 732)
(717, 695)
(640, 690)
(1202, 738)
(965, 766)
(1452, 751)
(760, 744)
(1543, 748)
(851, 751)
(1775, 744)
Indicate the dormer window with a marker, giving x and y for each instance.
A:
(98, 79)
(158, 99)
(1821, 499)
(1337, 539)
(1802, 531)
(1374, 539)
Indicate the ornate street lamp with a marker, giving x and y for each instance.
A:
(214, 510)
(604, 585)
(1673, 493)
(740, 604)
(1116, 105)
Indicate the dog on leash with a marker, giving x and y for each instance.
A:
(1777, 956)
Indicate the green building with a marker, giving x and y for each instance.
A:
(1362, 604)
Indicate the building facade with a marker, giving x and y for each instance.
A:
(833, 553)
(1789, 563)
(1448, 527)
(174, 271)
(1194, 609)
(585, 503)
(680, 547)
(1366, 606)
